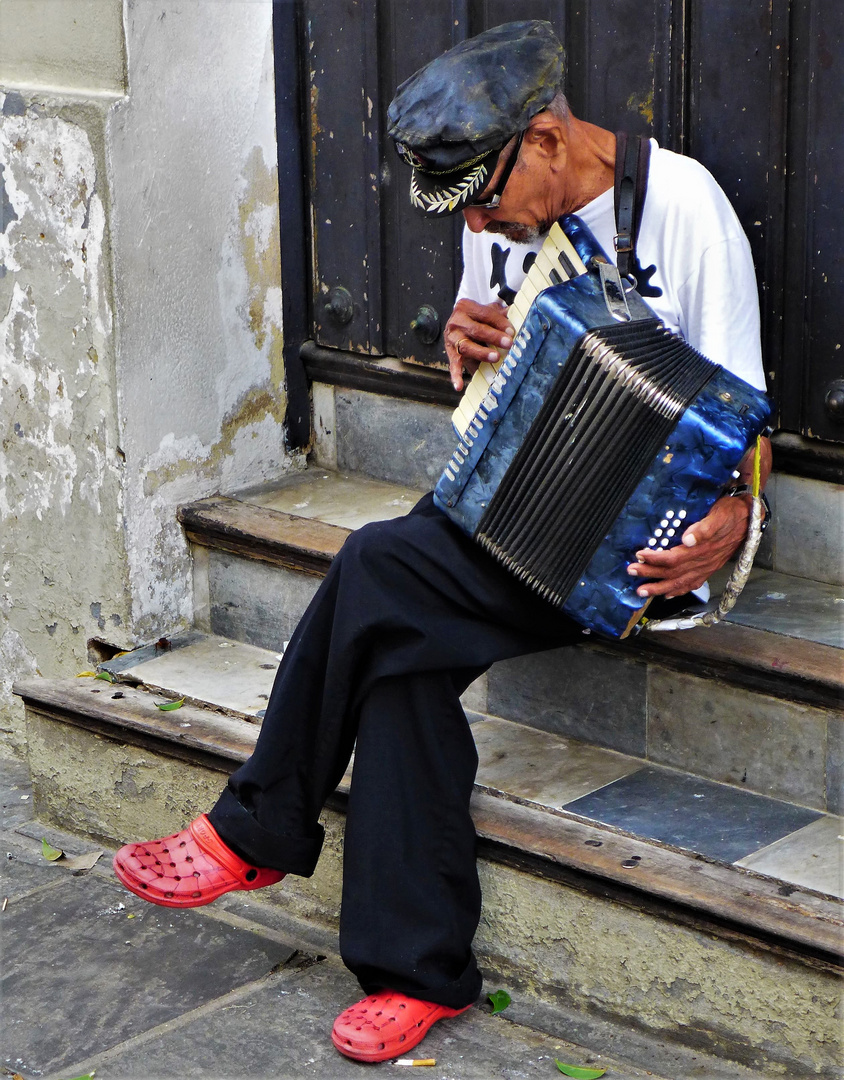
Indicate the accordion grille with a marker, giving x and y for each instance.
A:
(611, 408)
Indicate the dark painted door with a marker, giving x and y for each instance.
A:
(752, 89)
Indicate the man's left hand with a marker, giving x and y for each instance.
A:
(705, 547)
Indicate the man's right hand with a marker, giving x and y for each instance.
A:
(474, 333)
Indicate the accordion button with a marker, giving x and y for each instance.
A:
(652, 542)
(663, 543)
(682, 515)
(657, 532)
(670, 532)
(664, 523)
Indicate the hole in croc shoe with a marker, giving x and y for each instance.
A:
(196, 895)
(144, 886)
(188, 858)
(403, 1037)
(169, 895)
(196, 873)
(250, 875)
(184, 843)
(176, 877)
(381, 1046)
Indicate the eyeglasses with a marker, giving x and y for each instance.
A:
(490, 202)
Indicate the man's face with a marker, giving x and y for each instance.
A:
(520, 215)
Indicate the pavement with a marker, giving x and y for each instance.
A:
(97, 981)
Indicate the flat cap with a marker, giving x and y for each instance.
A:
(451, 119)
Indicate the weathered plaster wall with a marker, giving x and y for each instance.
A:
(62, 577)
(192, 156)
(140, 310)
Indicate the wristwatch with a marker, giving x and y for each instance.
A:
(746, 489)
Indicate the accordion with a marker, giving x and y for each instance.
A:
(601, 432)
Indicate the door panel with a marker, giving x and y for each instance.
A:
(745, 88)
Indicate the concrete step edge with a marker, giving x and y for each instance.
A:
(724, 900)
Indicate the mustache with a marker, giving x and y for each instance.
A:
(516, 232)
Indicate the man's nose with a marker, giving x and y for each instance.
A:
(476, 218)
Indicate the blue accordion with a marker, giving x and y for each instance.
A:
(601, 434)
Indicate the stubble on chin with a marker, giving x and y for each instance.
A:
(517, 233)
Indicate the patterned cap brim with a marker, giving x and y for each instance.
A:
(448, 193)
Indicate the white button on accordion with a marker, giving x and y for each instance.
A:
(600, 432)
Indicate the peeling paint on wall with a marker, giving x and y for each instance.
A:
(193, 161)
(60, 483)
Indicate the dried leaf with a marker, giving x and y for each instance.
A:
(50, 853)
(500, 1000)
(578, 1073)
(169, 706)
(87, 675)
(80, 862)
(105, 675)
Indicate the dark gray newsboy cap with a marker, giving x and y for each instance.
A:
(451, 119)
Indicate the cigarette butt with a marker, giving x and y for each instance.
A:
(416, 1061)
(5, 901)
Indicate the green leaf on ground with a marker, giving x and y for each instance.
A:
(499, 1000)
(87, 1076)
(50, 853)
(578, 1073)
(105, 675)
(169, 706)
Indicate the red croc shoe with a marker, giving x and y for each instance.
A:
(386, 1025)
(189, 869)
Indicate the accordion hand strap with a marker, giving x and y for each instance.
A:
(741, 570)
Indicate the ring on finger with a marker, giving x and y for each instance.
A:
(459, 343)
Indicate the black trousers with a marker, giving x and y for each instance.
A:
(410, 613)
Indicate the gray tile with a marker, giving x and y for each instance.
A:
(404, 442)
(540, 767)
(835, 765)
(24, 868)
(80, 975)
(15, 793)
(344, 499)
(809, 540)
(576, 692)
(283, 1030)
(228, 674)
(813, 857)
(792, 606)
(697, 815)
(256, 602)
(768, 745)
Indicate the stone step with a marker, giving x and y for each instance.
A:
(578, 911)
(755, 702)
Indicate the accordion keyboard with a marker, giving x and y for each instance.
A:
(556, 262)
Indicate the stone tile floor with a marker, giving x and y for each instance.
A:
(94, 979)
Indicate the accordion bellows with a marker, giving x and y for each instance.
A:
(596, 438)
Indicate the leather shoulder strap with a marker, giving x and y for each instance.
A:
(632, 159)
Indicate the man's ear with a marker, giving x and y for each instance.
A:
(545, 134)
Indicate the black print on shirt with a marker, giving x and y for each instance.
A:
(643, 275)
(498, 276)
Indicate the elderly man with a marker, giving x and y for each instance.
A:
(412, 610)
